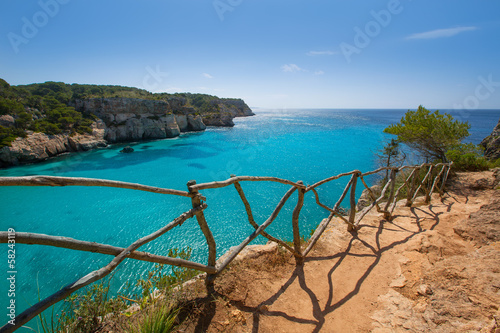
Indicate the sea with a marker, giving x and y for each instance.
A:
(295, 144)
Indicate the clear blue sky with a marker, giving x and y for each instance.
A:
(273, 53)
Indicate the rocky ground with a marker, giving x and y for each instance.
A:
(434, 268)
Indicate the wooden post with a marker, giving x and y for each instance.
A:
(409, 195)
(387, 214)
(445, 178)
(202, 222)
(428, 185)
(352, 213)
(254, 224)
(295, 224)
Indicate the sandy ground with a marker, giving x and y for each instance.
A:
(427, 270)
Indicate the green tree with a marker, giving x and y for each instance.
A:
(432, 134)
(391, 155)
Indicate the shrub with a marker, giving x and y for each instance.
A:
(467, 157)
(430, 133)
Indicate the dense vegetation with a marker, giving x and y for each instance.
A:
(430, 133)
(46, 107)
(437, 137)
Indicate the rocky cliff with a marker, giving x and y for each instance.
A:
(492, 144)
(36, 147)
(123, 120)
(130, 119)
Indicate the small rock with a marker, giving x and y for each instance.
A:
(424, 290)
(399, 282)
(127, 149)
(263, 308)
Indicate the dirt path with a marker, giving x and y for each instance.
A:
(426, 270)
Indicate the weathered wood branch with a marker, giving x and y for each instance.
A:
(352, 201)
(436, 179)
(209, 237)
(395, 199)
(74, 244)
(74, 181)
(372, 195)
(421, 184)
(232, 180)
(254, 224)
(409, 195)
(220, 266)
(387, 214)
(96, 275)
(428, 185)
(445, 178)
(317, 233)
(310, 187)
(295, 225)
(365, 211)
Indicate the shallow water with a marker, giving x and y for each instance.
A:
(307, 145)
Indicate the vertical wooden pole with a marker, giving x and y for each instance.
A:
(409, 195)
(295, 225)
(352, 213)
(445, 178)
(202, 222)
(387, 214)
(428, 185)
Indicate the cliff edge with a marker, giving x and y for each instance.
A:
(492, 144)
(44, 120)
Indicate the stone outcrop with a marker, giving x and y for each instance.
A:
(131, 119)
(122, 120)
(7, 120)
(37, 147)
(492, 144)
(365, 199)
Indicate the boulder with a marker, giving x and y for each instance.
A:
(127, 150)
(7, 121)
(492, 144)
(195, 123)
(365, 199)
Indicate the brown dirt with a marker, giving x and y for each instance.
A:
(433, 268)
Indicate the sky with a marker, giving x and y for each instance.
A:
(274, 53)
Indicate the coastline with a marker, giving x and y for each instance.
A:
(120, 124)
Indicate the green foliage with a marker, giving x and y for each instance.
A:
(158, 319)
(467, 157)
(84, 313)
(161, 278)
(391, 155)
(9, 106)
(9, 134)
(430, 133)
(47, 107)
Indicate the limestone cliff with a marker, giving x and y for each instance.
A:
(130, 119)
(123, 120)
(36, 147)
(492, 144)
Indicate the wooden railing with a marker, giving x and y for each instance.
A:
(433, 174)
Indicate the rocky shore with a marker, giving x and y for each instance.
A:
(123, 120)
(491, 144)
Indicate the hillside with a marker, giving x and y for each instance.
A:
(38, 121)
(434, 268)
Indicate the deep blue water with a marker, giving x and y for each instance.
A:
(307, 145)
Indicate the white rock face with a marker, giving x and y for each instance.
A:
(39, 146)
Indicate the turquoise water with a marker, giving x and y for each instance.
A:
(307, 145)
